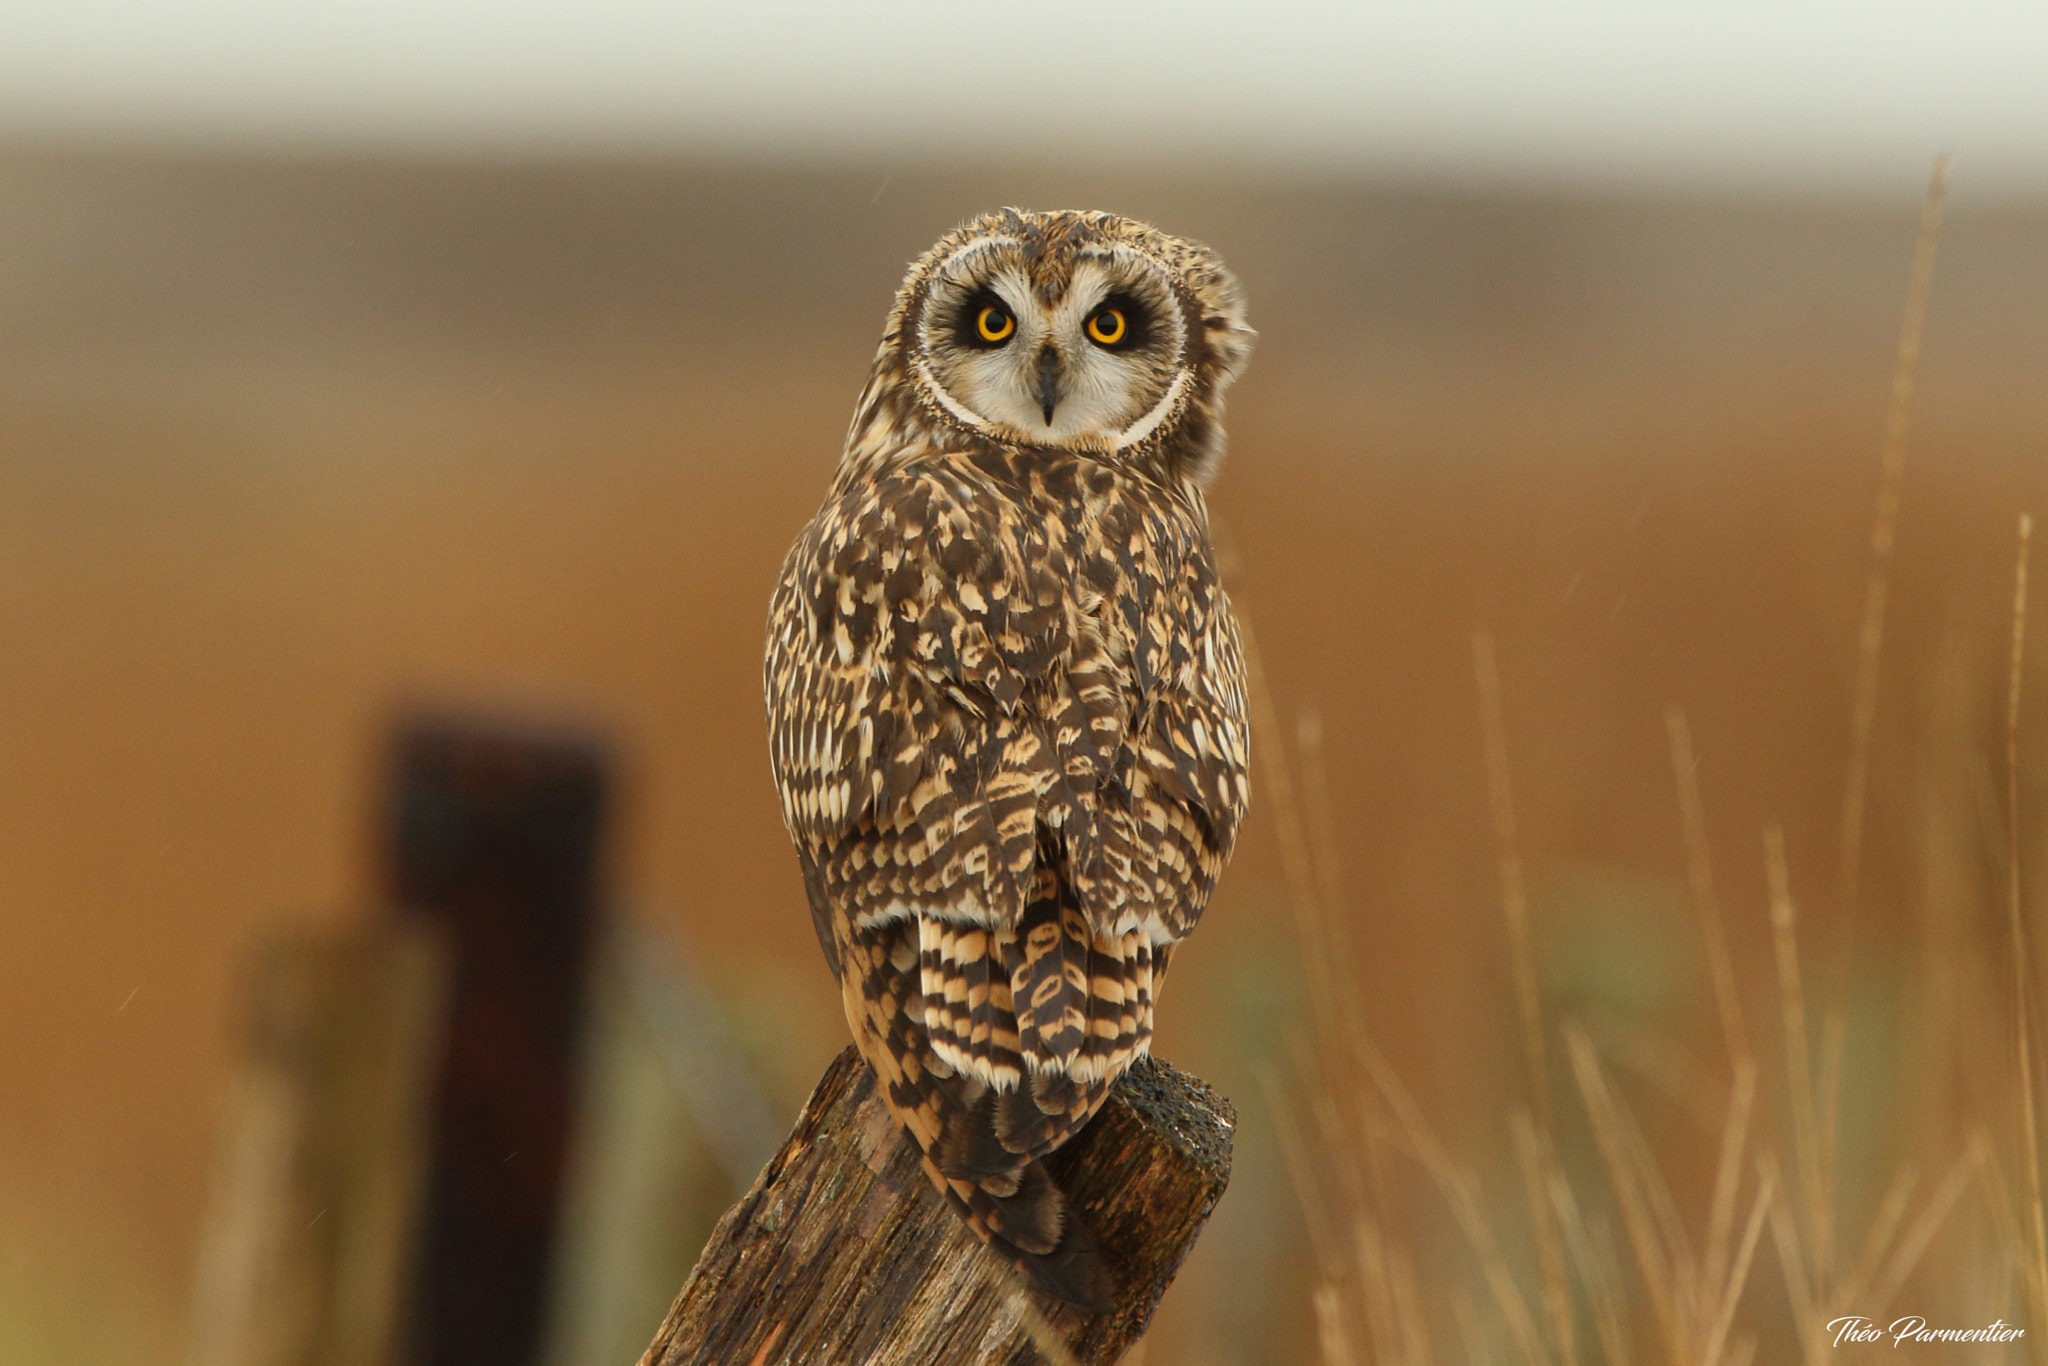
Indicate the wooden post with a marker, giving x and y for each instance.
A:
(494, 835)
(308, 1237)
(843, 1252)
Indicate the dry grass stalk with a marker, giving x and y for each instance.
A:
(1695, 1303)
(1333, 1329)
(1536, 1170)
(1460, 1192)
(1884, 532)
(1399, 1332)
(1337, 1022)
(1784, 1225)
(1870, 646)
(1700, 873)
(1599, 1271)
(1513, 888)
(1653, 1257)
(1540, 1159)
(1906, 1253)
(1738, 1277)
(1728, 1169)
(1716, 1275)
(1806, 1134)
(1891, 1213)
(1817, 1294)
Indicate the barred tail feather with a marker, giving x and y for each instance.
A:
(1049, 984)
(995, 1048)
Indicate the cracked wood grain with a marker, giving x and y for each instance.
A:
(842, 1252)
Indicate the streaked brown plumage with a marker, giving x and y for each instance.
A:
(1006, 697)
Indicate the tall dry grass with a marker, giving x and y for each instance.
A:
(1606, 1256)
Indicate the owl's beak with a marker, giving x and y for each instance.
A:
(1048, 387)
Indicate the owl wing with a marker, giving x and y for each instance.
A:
(908, 623)
(1168, 815)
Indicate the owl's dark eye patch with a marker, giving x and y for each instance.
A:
(984, 321)
(1119, 323)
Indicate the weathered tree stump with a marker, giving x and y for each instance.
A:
(842, 1252)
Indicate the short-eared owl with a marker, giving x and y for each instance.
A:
(1006, 697)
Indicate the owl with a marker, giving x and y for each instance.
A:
(1006, 696)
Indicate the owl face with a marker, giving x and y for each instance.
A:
(1068, 330)
(1078, 365)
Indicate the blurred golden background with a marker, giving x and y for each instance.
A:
(290, 444)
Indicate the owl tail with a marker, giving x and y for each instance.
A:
(1025, 1219)
(1033, 987)
(930, 1005)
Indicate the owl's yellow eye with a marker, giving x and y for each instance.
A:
(994, 324)
(1107, 327)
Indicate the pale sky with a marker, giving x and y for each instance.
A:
(1824, 92)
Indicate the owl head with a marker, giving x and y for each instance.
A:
(1072, 331)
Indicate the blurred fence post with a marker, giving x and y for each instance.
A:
(493, 840)
(489, 1126)
(305, 1253)
(842, 1251)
